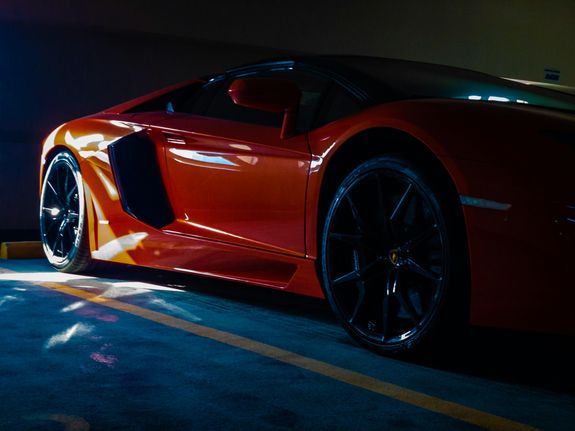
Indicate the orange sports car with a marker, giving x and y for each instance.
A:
(416, 198)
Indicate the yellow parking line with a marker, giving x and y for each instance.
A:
(419, 399)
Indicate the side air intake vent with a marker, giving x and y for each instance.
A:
(137, 174)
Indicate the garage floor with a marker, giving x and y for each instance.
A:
(160, 351)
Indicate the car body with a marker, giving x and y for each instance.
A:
(171, 182)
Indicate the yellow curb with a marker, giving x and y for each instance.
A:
(21, 250)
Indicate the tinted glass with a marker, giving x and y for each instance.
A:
(312, 88)
(339, 103)
(197, 99)
(224, 107)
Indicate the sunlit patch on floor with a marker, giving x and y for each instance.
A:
(8, 299)
(74, 306)
(63, 337)
(35, 277)
(179, 311)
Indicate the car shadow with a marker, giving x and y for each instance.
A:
(534, 360)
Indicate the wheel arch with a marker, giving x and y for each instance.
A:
(49, 157)
(381, 141)
(375, 142)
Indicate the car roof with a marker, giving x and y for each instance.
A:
(386, 79)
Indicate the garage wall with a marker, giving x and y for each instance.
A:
(64, 59)
(516, 38)
(51, 74)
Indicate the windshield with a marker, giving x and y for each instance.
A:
(410, 79)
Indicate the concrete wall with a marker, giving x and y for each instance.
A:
(51, 74)
(64, 59)
(516, 38)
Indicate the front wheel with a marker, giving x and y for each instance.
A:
(388, 256)
(62, 215)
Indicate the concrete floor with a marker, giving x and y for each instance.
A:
(68, 363)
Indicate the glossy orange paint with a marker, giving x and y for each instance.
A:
(246, 201)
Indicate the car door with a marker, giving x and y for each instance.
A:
(231, 177)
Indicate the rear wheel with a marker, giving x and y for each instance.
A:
(388, 256)
(62, 215)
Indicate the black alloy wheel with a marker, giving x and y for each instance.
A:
(62, 215)
(387, 255)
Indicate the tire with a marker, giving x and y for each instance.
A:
(393, 257)
(63, 221)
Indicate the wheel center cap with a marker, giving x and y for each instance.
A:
(394, 256)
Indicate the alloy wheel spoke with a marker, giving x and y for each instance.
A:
(416, 268)
(50, 211)
(70, 193)
(384, 218)
(420, 238)
(402, 202)
(360, 223)
(70, 232)
(347, 238)
(62, 226)
(56, 240)
(350, 276)
(66, 183)
(53, 190)
(385, 318)
(390, 287)
(406, 304)
(360, 272)
(360, 300)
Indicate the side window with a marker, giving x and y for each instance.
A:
(198, 99)
(223, 107)
(338, 103)
(312, 87)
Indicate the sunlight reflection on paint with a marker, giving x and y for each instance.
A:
(63, 337)
(198, 156)
(241, 147)
(125, 125)
(212, 229)
(110, 187)
(498, 99)
(250, 160)
(125, 243)
(84, 142)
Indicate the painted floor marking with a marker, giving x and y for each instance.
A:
(447, 408)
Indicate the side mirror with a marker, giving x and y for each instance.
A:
(270, 95)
